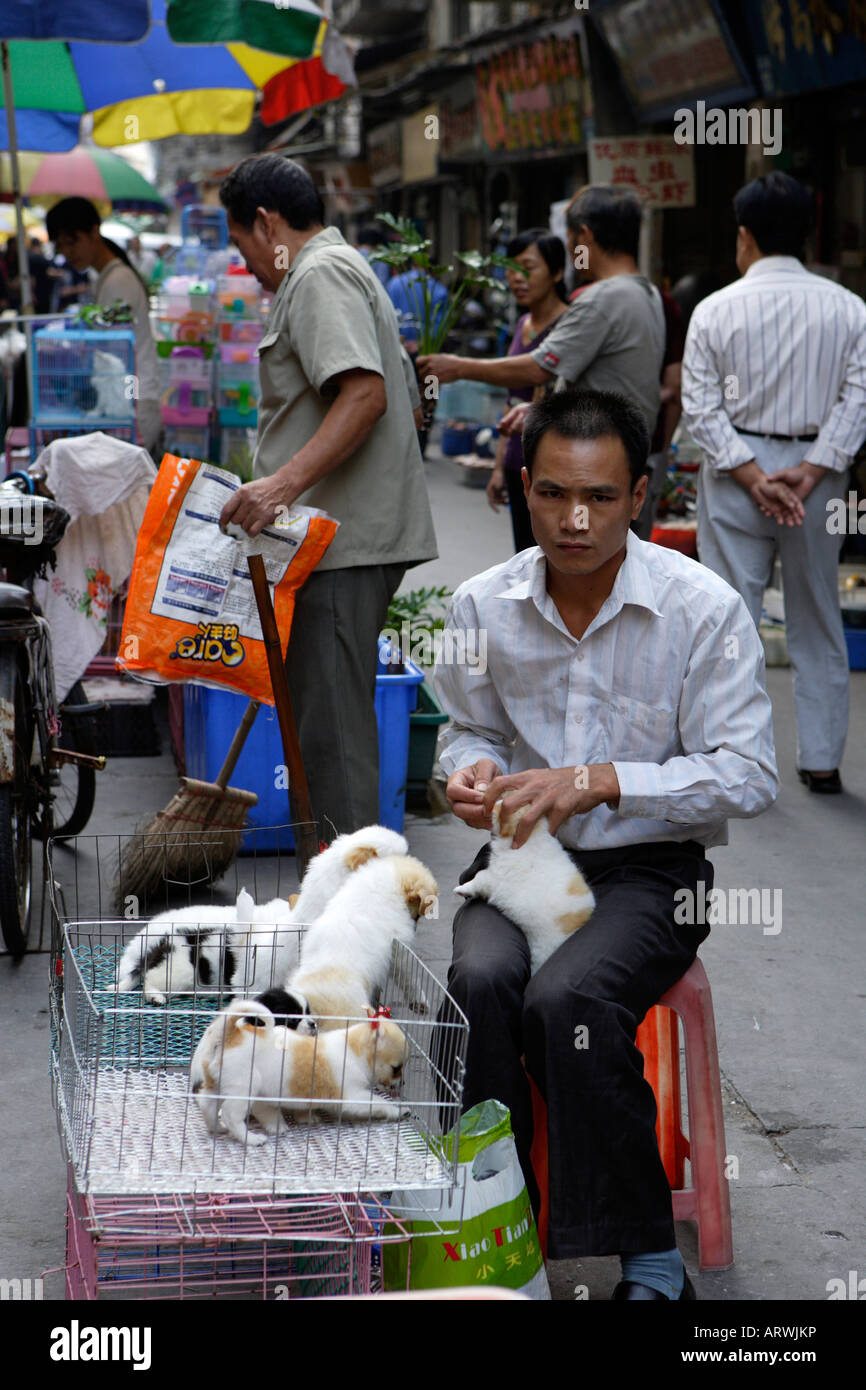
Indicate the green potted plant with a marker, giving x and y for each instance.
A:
(413, 620)
(408, 251)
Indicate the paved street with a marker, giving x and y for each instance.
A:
(789, 1006)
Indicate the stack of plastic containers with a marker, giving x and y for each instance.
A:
(240, 331)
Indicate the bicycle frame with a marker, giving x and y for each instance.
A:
(32, 637)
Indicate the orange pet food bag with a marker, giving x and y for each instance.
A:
(191, 613)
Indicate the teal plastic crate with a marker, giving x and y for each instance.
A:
(212, 716)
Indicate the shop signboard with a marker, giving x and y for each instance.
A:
(659, 169)
(459, 130)
(802, 45)
(385, 154)
(672, 51)
(533, 96)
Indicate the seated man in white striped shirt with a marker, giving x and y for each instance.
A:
(774, 392)
(623, 697)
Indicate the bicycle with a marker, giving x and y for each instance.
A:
(36, 773)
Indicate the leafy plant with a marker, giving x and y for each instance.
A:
(411, 622)
(408, 251)
(103, 315)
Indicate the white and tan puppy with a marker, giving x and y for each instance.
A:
(346, 954)
(335, 1073)
(329, 870)
(245, 1065)
(538, 886)
(236, 1062)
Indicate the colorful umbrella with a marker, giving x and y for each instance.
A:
(157, 87)
(106, 178)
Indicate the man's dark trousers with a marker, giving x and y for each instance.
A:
(331, 664)
(608, 1193)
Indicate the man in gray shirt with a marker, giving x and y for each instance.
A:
(335, 431)
(613, 336)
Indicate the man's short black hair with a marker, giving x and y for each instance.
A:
(277, 184)
(612, 213)
(372, 235)
(777, 210)
(576, 414)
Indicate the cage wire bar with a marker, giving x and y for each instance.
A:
(157, 1202)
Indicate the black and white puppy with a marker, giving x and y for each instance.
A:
(290, 1010)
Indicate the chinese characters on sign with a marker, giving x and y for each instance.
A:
(533, 96)
(658, 168)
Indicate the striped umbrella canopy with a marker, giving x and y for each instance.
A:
(182, 78)
(100, 175)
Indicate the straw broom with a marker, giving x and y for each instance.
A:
(196, 837)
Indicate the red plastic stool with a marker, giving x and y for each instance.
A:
(708, 1200)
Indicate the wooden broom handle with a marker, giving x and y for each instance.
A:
(306, 835)
(237, 744)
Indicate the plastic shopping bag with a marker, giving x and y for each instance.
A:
(191, 614)
(497, 1242)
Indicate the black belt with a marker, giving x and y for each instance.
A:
(786, 438)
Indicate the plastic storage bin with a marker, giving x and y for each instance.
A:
(188, 441)
(237, 450)
(238, 296)
(238, 394)
(208, 224)
(855, 637)
(212, 716)
(187, 387)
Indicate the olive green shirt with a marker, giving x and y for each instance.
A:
(329, 315)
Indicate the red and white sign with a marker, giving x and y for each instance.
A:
(659, 169)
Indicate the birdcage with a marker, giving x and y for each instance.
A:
(83, 380)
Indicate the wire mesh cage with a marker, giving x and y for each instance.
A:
(83, 376)
(209, 1247)
(132, 1123)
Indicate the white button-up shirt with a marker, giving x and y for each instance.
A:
(781, 351)
(667, 683)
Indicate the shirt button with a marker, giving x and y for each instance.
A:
(580, 656)
(578, 719)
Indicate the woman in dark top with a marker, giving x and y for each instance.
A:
(541, 293)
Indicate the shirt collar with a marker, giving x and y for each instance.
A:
(767, 265)
(633, 584)
(328, 236)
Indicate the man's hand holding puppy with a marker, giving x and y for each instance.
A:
(557, 793)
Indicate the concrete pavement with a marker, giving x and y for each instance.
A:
(788, 1003)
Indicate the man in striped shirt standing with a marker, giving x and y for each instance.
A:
(774, 392)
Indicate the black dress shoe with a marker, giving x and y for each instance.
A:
(825, 785)
(627, 1289)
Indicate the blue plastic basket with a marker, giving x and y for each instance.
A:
(855, 637)
(212, 716)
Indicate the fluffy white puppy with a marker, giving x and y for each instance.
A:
(329, 870)
(346, 954)
(538, 886)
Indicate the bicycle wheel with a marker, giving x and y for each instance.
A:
(15, 821)
(74, 787)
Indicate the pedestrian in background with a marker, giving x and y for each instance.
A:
(611, 339)
(539, 289)
(73, 226)
(774, 392)
(370, 239)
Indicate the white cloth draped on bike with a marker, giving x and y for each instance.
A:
(104, 484)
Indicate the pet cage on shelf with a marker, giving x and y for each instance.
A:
(83, 380)
(157, 1201)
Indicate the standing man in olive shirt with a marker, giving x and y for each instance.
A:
(335, 431)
